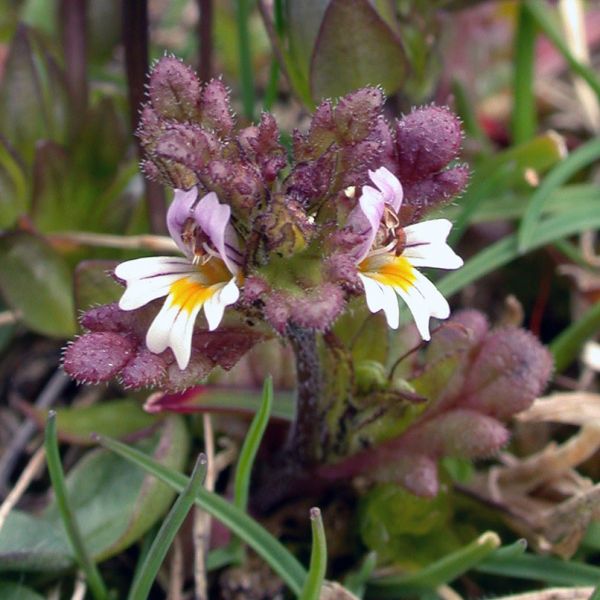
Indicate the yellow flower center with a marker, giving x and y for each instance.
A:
(388, 269)
(188, 292)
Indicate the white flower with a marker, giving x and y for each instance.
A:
(205, 278)
(386, 273)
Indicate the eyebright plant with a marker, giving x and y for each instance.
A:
(319, 245)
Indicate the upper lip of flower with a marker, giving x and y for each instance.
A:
(188, 283)
(385, 273)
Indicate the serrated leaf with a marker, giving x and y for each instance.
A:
(355, 48)
(36, 281)
(94, 285)
(114, 503)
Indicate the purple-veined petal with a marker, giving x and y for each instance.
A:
(365, 219)
(179, 211)
(389, 185)
(151, 266)
(213, 217)
(426, 245)
(141, 291)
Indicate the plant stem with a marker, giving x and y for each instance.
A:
(135, 40)
(205, 32)
(302, 443)
(73, 30)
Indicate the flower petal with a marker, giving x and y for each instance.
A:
(390, 187)
(426, 245)
(141, 291)
(213, 217)
(178, 213)
(214, 307)
(365, 219)
(390, 307)
(374, 294)
(151, 266)
(424, 301)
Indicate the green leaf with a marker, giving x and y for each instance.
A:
(52, 206)
(250, 448)
(585, 155)
(13, 186)
(318, 559)
(566, 347)
(439, 573)
(33, 95)
(32, 544)
(249, 530)
(355, 47)
(36, 281)
(523, 113)
(505, 170)
(505, 250)
(114, 503)
(93, 284)
(65, 510)
(550, 570)
(144, 578)
(15, 591)
(119, 418)
(226, 400)
(303, 20)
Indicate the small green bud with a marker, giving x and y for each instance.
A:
(369, 376)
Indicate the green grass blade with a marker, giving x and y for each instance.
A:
(273, 84)
(540, 11)
(250, 447)
(84, 560)
(318, 559)
(465, 109)
(566, 346)
(553, 571)
(245, 55)
(523, 114)
(504, 170)
(438, 573)
(166, 534)
(595, 594)
(356, 581)
(577, 160)
(240, 524)
(505, 250)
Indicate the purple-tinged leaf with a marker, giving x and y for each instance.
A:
(355, 47)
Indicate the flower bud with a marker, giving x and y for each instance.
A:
(97, 357)
(215, 108)
(426, 141)
(174, 90)
(357, 114)
(421, 196)
(510, 371)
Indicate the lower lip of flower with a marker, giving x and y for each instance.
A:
(197, 288)
(395, 271)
